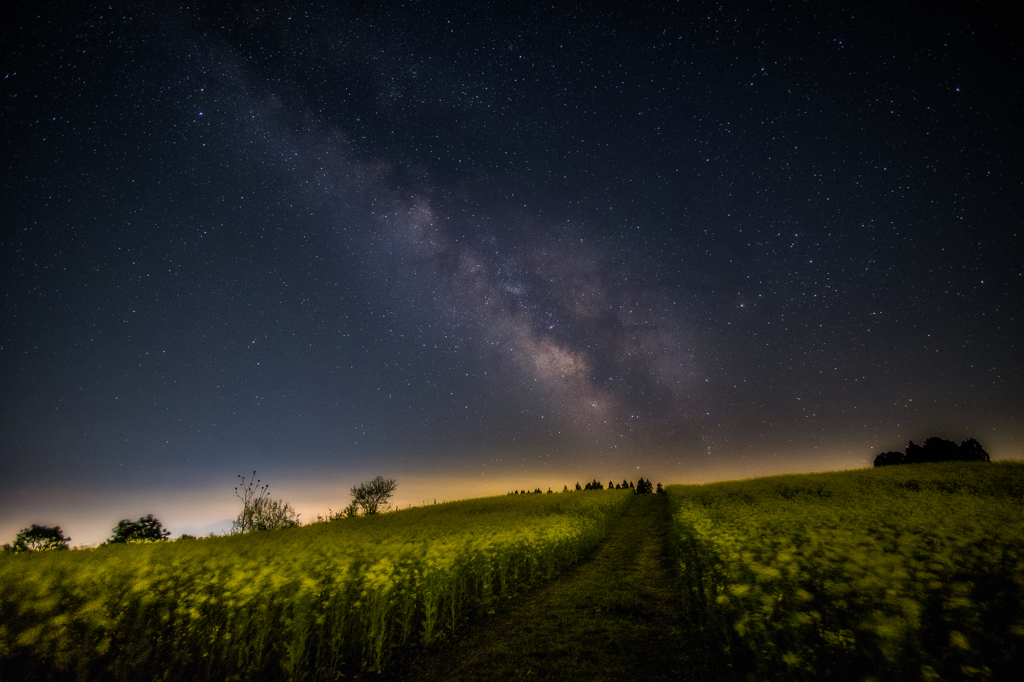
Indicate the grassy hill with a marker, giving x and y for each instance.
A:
(313, 601)
(899, 573)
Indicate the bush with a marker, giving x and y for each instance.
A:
(40, 539)
(259, 512)
(265, 514)
(144, 530)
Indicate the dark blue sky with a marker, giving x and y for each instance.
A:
(494, 247)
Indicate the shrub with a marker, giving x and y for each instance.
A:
(40, 539)
(146, 529)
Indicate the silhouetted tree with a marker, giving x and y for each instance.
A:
(611, 485)
(660, 489)
(939, 450)
(578, 486)
(373, 495)
(549, 490)
(625, 484)
(631, 486)
(935, 450)
(146, 529)
(889, 458)
(565, 488)
(913, 454)
(971, 451)
(40, 539)
(596, 485)
(644, 487)
(275, 514)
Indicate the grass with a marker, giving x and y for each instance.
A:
(309, 602)
(900, 573)
(616, 617)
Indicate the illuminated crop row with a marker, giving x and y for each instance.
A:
(318, 600)
(901, 573)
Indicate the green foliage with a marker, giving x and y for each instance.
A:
(39, 539)
(372, 496)
(146, 529)
(313, 602)
(898, 573)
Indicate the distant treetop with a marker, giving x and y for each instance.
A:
(39, 539)
(935, 450)
(146, 529)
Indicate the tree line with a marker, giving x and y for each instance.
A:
(935, 450)
(259, 513)
(641, 487)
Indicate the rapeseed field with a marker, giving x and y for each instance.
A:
(899, 573)
(314, 602)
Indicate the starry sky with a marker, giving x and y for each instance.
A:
(480, 247)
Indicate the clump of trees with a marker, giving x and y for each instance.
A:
(935, 450)
(145, 529)
(643, 487)
(38, 539)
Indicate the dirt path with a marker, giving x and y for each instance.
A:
(614, 617)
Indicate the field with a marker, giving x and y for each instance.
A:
(899, 573)
(312, 602)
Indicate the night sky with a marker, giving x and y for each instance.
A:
(482, 247)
